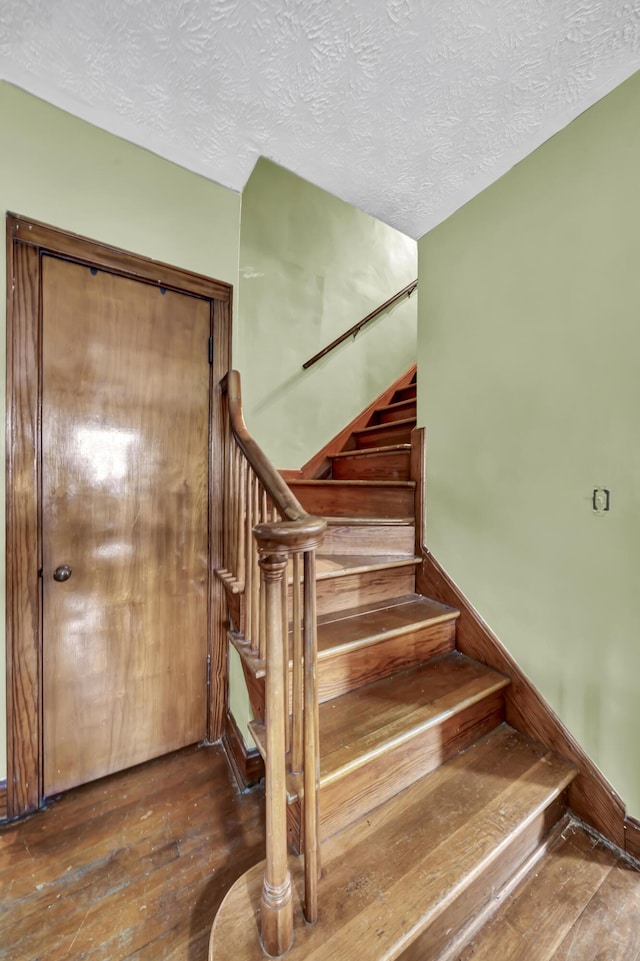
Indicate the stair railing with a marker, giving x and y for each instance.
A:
(270, 542)
(355, 330)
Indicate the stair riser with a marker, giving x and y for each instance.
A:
(369, 587)
(345, 671)
(349, 798)
(394, 466)
(380, 540)
(383, 436)
(485, 886)
(338, 501)
(405, 393)
(405, 412)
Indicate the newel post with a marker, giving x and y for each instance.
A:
(277, 906)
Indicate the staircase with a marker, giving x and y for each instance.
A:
(431, 805)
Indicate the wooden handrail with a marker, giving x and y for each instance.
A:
(408, 290)
(266, 526)
(284, 499)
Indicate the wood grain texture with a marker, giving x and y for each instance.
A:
(379, 499)
(368, 536)
(26, 241)
(126, 263)
(399, 873)
(406, 393)
(417, 474)
(610, 920)
(131, 867)
(398, 410)
(560, 890)
(125, 504)
(380, 464)
(365, 587)
(591, 797)
(3, 800)
(365, 646)
(632, 837)
(320, 463)
(383, 435)
(217, 642)
(246, 762)
(24, 723)
(379, 739)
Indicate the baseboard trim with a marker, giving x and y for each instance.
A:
(3, 800)
(591, 796)
(246, 763)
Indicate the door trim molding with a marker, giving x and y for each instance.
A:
(27, 242)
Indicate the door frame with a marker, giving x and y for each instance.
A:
(27, 242)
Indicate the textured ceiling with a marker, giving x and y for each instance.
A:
(405, 108)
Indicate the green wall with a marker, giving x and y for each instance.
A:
(529, 360)
(63, 171)
(311, 266)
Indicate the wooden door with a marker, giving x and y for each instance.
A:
(125, 455)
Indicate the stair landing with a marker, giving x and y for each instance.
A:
(420, 865)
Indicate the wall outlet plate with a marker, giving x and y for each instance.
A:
(601, 500)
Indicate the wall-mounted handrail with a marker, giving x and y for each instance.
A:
(266, 528)
(406, 291)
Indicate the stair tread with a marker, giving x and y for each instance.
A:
(396, 405)
(391, 426)
(366, 624)
(322, 482)
(394, 873)
(339, 565)
(368, 719)
(370, 521)
(372, 451)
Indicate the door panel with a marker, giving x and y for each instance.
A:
(125, 441)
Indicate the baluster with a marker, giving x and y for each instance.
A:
(237, 516)
(297, 681)
(277, 906)
(311, 746)
(285, 648)
(248, 562)
(257, 599)
(240, 519)
(231, 542)
(229, 444)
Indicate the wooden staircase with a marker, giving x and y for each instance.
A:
(430, 803)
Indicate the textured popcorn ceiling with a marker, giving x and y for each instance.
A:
(405, 108)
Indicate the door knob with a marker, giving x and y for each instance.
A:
(62, 573)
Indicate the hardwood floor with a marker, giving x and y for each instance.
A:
(134, 867)
(130, 867)
(580, 903)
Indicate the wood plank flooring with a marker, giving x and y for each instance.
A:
(131, 867)
(580, 903)
(134, 867)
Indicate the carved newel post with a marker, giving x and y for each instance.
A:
(277, 907)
